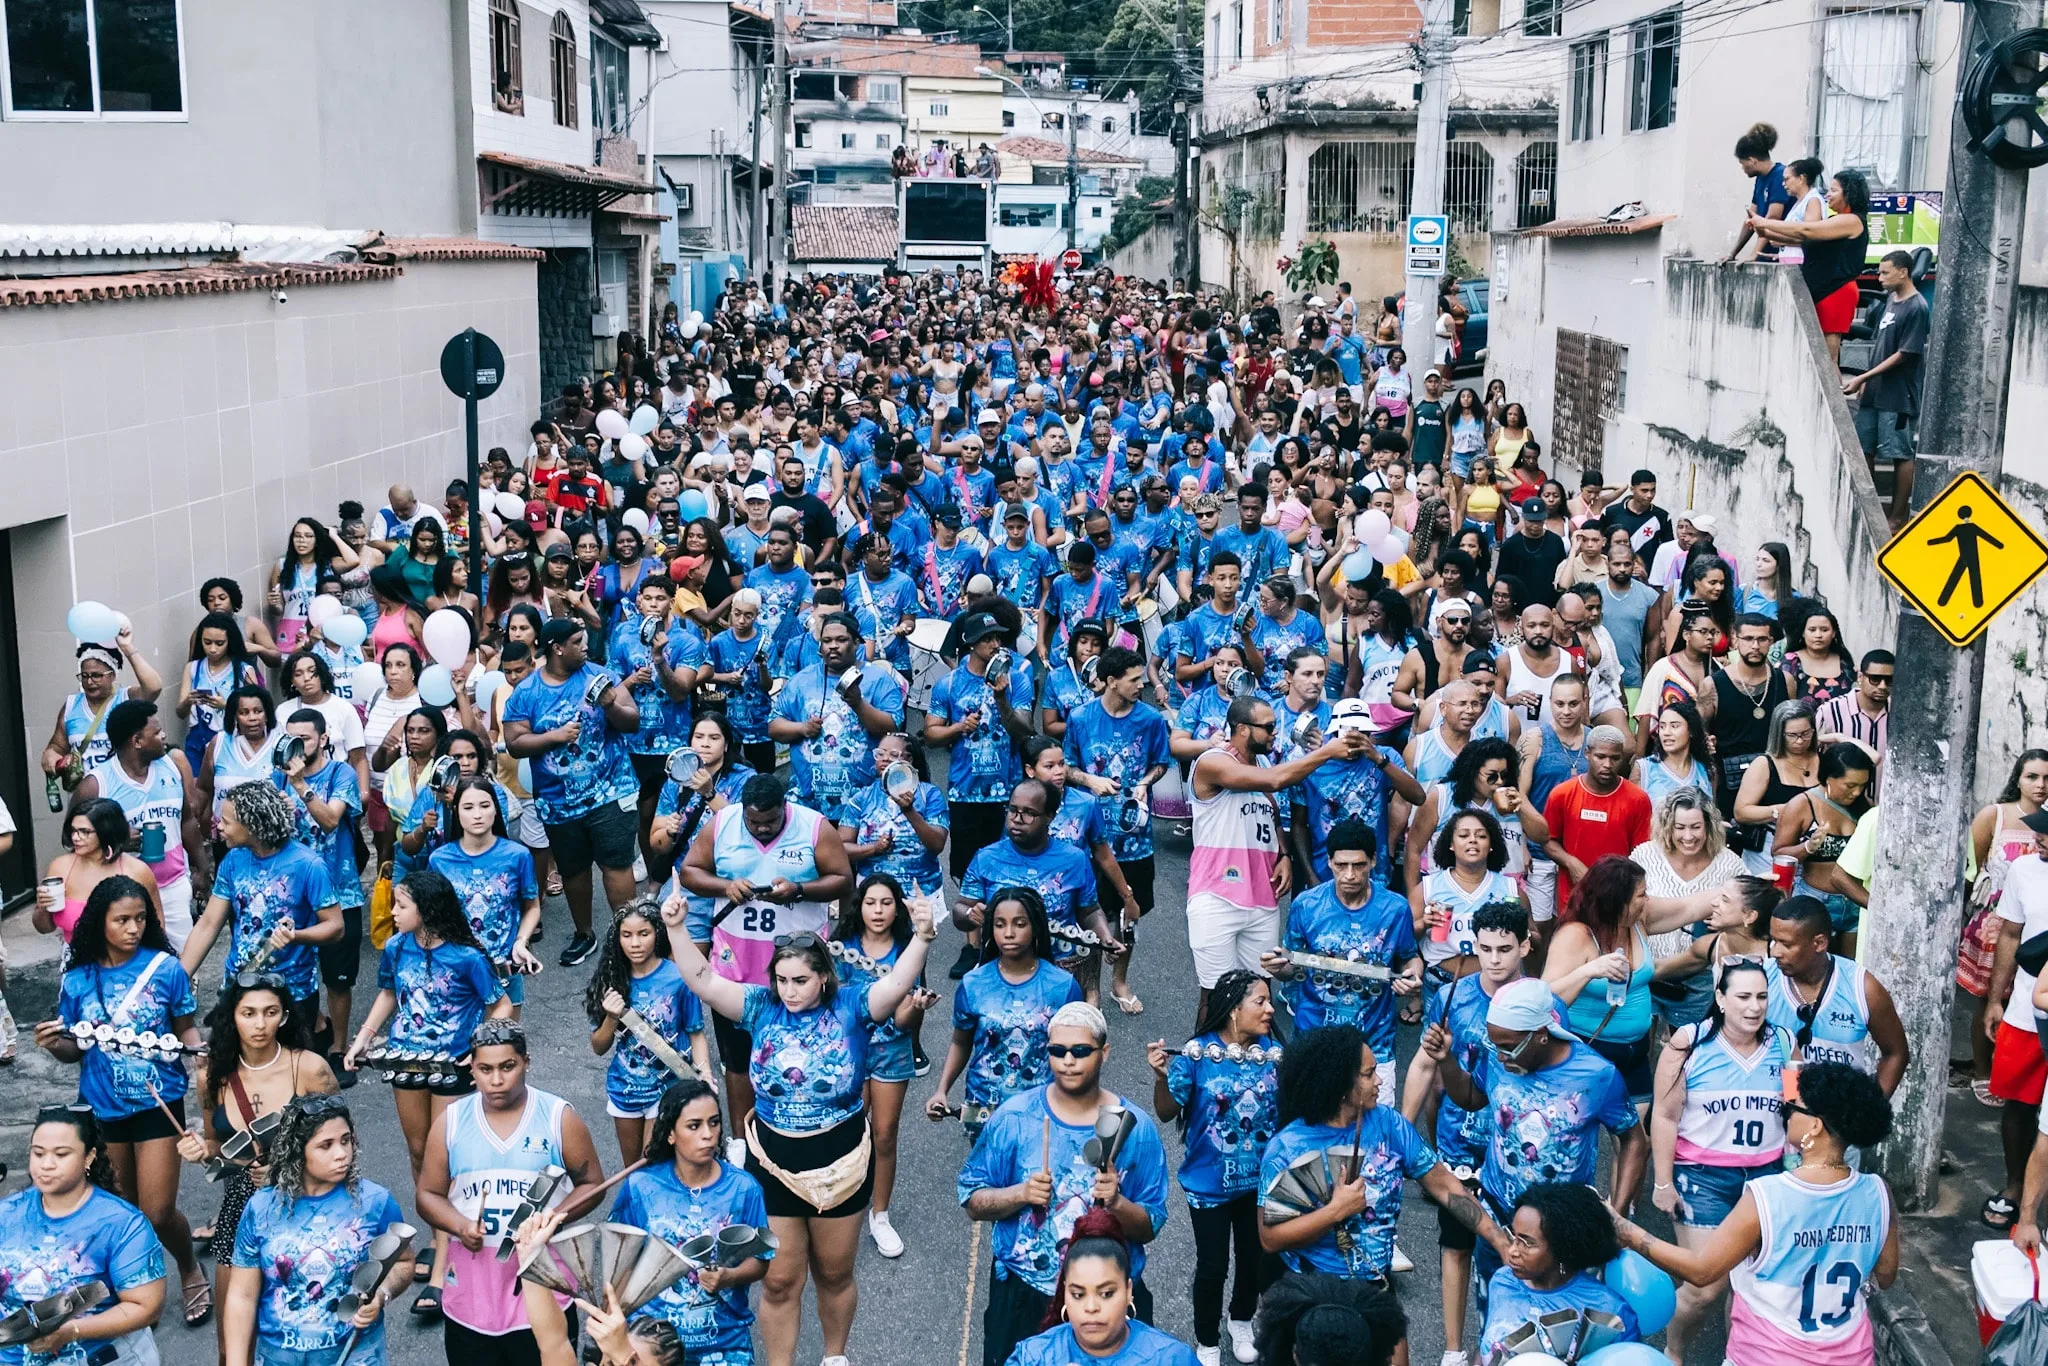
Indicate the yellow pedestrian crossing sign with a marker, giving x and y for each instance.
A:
(1964, 558)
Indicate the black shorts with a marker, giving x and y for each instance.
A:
(1451, 1233)
(342, 959)
(650, 771)
(1138, 877)
(467, 1347)
(144, 1125)
(1634, 1061)
(735, 1045)
(974, 826)
(805, 1153)
(607, 835)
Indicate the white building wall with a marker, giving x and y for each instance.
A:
(2017, 643)
(236, 415)
(535, 132)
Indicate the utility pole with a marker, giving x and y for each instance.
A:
(1073, 171)
(1185, 262)
(1915, 917)
(778, 204)
(1426, 195)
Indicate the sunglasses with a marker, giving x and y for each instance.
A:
(248, 981)
(802, 939)
(73, 1110)
(1793, 1107)
(1079, 1051)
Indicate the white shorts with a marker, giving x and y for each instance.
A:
(526, 827)
(177, 900)
(1224, 936)
(1540, 882)
(616, 1113)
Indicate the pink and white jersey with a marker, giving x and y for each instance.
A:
(1237, 845)
(1731, 1114)
(744, 941)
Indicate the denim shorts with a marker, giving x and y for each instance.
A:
(1461, 463)
(1710, 1193)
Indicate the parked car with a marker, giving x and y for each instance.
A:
(1472, 345)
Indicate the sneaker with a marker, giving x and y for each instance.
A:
(1209, 1356)
(887, 1241)
(1401, 1262)
(736, 1152)
(579, 947)
(969, 956)
(342, 1076)
(1455, 1359)
(835, 1361)
(920, 1064)
(1241, 1340)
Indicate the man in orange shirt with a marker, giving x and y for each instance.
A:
(1598, 813)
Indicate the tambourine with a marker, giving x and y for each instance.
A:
(443, 774)
(1074, 937)
(650, 627)
(849, 679)
(414, 1067)
(854, 958)
(601, 683)
(1307, 733)
(1232, 683)
(1131, 815)
(999, 665)
(1320, 967)
(899, 779)
(133, 1043)
(1231, 1052)
(683, 765)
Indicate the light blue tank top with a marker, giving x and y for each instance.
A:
(1433, 758)
(78, 720)
(1819, 1245)
(1841, 1023)
(159, 801)
(230, 770)
(1556, 764)
(1630, 1021)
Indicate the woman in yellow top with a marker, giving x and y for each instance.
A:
(1510, 435)
(1483, 500)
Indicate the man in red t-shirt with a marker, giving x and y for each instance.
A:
(573, 488)
(1596, 814)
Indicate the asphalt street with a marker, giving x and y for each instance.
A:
(924, 1307)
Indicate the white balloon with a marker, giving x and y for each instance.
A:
(446, 636)
(437, 686)
(632, 446)
(689, 330)
(636, 518)
(611, 424)
(1387, 550)
(645, 419)
(346, 631)
(1372, 525)
(696, 317)
(121, 623)
(323, 610)
(369, 680)
(511, 507)
(1534, 1359)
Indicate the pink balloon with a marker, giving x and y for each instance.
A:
(323, 610)
(1387, 550)
(1373, 526)
(611, 424)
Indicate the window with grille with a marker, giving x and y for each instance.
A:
(607, 85)
(1540, 18)
(1536, 185)
(562, 68)
(1237, 31)
(1589, 89)
(1366, 186)
(508, 86)
(93, 59)
(1653, 72)
(1276, 22)
(940, 108)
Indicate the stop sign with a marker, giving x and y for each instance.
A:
(1071, 259)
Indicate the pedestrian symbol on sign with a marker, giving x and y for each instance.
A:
(1964, 559)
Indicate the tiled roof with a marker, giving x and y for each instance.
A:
(387, 249)
(597, 177)
(842, 232)
(1046, 150)
(895, 55)
(1599, 227)
(224, 277)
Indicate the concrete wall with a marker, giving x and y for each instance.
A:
(234, 416)
(700, 111)
(1604, 286)
(2018, 641)
(336, 116)
(1150, 257)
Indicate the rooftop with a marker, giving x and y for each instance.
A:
(222, 277)
(1046, 150)
(843, 232)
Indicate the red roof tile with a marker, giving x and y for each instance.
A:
(595, 176)
(842, 232)
(1046, 150)
(1599, 227)
(224, 277)
(386, 249)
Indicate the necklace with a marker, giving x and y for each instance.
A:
(276, 1052)
(1756, 699)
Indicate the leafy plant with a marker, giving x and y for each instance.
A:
(1315, 264)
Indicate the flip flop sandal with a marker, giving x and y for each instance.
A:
(427, 1304)
(423, 1265)
(198, 1303)
(1998, 1213)
(1129, 1005)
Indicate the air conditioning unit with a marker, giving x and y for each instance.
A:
(686, 198)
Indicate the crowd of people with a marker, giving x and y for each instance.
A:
(866, 607)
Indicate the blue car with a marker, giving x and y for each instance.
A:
(1472, 344)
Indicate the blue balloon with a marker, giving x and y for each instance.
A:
(346, 631)
(1627, 1354)
(93, 623)
(436, 686)
(1358, 566)
(1648, 1291)
(693, 504)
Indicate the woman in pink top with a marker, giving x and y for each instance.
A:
(398, 621)
(94, 831)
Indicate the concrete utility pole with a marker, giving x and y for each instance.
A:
(778, 204)
(1073, 171)
(1426, 194)
(1185, 262)
(1916, 909)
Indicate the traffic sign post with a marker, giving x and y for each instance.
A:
(1429, 240)
(472, 366)
(1963, 559)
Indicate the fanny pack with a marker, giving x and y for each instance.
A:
(829, 1186)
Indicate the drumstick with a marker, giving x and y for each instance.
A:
(1357, 1158)
(169, 1113)
(1048, 1140)
(616, 1177)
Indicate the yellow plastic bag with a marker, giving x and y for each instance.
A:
(381, 926)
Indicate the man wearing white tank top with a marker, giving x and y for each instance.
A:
(1239, 871)
(1528, 669)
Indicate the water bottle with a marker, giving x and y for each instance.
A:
(1617, 993)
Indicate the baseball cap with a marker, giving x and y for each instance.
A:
(1525, 1005)
(1350, 714)
(2038, 822)
(757, 493)
(680, 567)
(989, 418)
(948, 515)
(1016, 512)
(977, 627)
(557, 551)
(1479, 662)
(1534, 507)
(980, 586)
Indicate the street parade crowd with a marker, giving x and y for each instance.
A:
(863, 612)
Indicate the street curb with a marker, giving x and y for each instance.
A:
(1904, 1336)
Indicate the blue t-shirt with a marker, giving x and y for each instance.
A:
(746, 705)
(1080, 821)
(1070, 601)
(1276, 641)
(1511, 1302)
(1062, 875)
(889, 1051)
(1020, 575)
(117, 1084)
(982, 764)
(664, 720)
(1545, 1126)
(1362, 1245)
(1206, 630)
(442, 993)
(656, 1199)
(1381, 931)
(870, 812)
(1123, 749)
(1262, 553)
(942, 575)
(743, 546)
(1065, 693)
(1348, 352)
(878, 607)
(494, 888)
(1461, 1134)
(783, 595)
(104, 1239)
(808, 1068)
(1008, 1021)
(288, 888)
(829, 767)
(572, 780)
(1029, 1244)
(635, 1080)
(307, 1251)
(1145, 1346)
(1232, 1108)
(1341, 789)
(336, 848)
